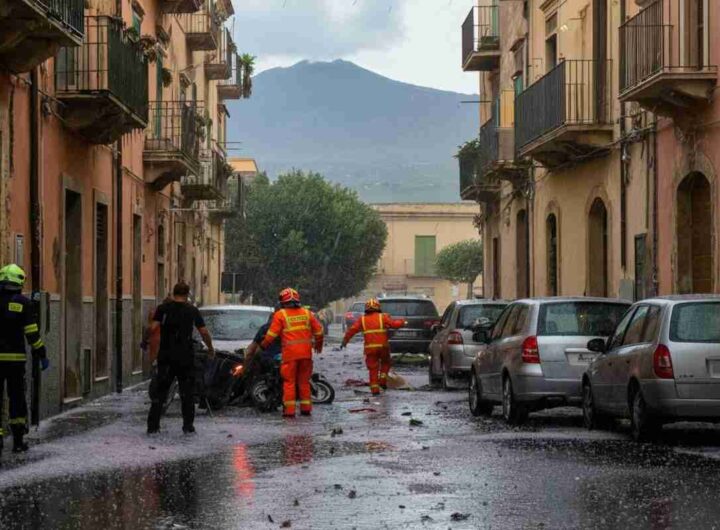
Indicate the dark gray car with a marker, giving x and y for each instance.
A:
(662, 364)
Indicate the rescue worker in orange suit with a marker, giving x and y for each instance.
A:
(374, 325)
(299, 331)
(18, 324)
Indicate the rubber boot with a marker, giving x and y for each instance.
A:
(19, 445)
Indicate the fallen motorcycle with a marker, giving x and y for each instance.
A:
(266, 390)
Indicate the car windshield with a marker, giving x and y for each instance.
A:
(589, 319)
(409, 308)
(234, 324)
(469, 314)
(357, 307)
(696, 322)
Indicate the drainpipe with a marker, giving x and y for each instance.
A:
(35, 232)
(118, 268)
(655, 209)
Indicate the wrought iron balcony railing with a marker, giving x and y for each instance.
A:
(496, 135)
(650, 46)
(106, 76)
(210, 183)
(201, 30)
(574, 93)
(218, 65)
(231, 87)
(480, 37)
(70, 13)
(175, 127)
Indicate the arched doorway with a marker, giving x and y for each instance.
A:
(598, 249)
(522, 254)
(694, 230)
(551, 245)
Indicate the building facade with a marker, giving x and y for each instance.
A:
(416, 233)
(113, 173)
(594, 165)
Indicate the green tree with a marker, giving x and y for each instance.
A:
(461, 263)
(303, 232)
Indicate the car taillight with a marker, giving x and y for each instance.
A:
(348, 316)
(455, 337)
(530, 354)
(662, 363)
(238, 370)
(430, 323)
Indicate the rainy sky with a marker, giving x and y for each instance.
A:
(416, 41)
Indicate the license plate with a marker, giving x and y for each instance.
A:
(406, 334)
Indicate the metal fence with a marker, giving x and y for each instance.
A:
(69, 12)
(174, 126)
(107, 61)
(575, 92)
(480, 31)
(225, 52)
(194, 23)
(211, 174)
(650, 44)
(493, 146)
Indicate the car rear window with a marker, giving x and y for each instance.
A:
(695, 322)
(409, 308)
(234, 324)
(357, 307)
(470, 313)
(588, 319)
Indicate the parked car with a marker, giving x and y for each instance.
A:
(453, 348)
(355, 311)
(233, 327)
(537, 354)
(420, 314)
(661, 365)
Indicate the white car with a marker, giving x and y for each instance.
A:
(233, 327)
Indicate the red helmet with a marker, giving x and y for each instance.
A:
(372, 305)
(289, 296)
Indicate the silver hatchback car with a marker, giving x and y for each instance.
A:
(453, 349)
(662, 364)
(537, 354)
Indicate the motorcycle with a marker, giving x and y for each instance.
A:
(266, 390)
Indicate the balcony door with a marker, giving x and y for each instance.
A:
(522, 253)
(694, 35)
(600, 32)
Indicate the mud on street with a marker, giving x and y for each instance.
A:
(408, 459)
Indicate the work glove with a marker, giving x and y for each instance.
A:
(44, 363)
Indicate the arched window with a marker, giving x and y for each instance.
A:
(522, 253)
(551, 247)
(598, 249)
(694, 235)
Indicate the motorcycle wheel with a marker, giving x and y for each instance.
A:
(264, 397)
(322, 392)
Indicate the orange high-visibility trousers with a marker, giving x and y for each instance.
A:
(296, 380)
(378, 365)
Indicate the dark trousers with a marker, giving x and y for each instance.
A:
(159, 387)
(14, 373)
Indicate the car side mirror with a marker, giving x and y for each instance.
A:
(434, 329)
(597, 345)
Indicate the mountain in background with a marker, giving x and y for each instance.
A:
(390, 141)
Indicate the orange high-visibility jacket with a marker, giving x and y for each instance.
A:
(297, 328)
(375, 328)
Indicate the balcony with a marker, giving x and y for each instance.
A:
(474, 185)
(231, 88)
(103, 84)
(496, 149)
(654, 72)
(565, 116)
(201, 31)
(208, 184)
(218, 64)
(32, 31)
(181, 6)
(481, 39)
(172, 142)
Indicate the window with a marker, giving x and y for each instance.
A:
(635, 329)
(500, 324)
(552, 261)
(409, 308)
(696, 322)
(521, 320)
(137, 18)
(518, 84)
(617, 337)
(652, 324)
(445, 321)
(425, 255)
(234, 325)
(509, 326)
(469, 314)
(578, 319)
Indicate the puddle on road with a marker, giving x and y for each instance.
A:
(183, 494)
(74, 424)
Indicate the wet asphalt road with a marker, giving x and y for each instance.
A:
(95, 468)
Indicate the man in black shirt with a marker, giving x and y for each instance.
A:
(176, 357)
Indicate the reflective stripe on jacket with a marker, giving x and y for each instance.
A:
(298, 329)
(374, 327)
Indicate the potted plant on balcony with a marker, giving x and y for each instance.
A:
(166, 77)
(247, 64)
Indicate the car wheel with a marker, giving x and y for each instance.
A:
(591, 417)
(432, 378)
(447, 382)
(478, 407)
(642, 425)
(513, 412)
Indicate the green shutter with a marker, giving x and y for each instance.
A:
(425, 255)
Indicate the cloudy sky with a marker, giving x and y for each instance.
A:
(417, 41)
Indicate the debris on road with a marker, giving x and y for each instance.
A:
(286, 524)
(363, 409)
(337, 431)
(415, 423)
(457, 516)
(406, 414)
(352, 494)
(356, 382)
